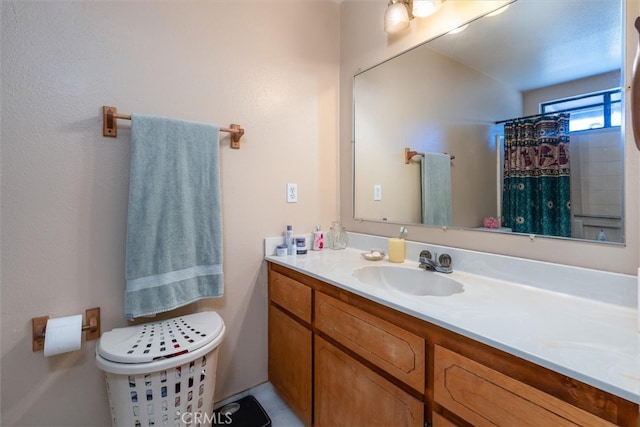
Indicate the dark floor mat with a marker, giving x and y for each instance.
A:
(245, 412)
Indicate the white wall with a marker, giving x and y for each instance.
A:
(364, 44)
(596, 184)
(272, 67)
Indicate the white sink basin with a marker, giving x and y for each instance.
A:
(410, 281)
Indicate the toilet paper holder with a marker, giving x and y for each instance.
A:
(39, 327)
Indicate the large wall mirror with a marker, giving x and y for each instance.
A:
(431, 125)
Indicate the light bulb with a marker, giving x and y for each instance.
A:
(396, 18)
(424, 8)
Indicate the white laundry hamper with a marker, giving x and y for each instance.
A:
(162, 373)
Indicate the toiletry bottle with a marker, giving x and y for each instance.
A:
(318, 239)
(288, 239)
(601, 236)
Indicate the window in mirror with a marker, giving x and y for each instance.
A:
(591, 111)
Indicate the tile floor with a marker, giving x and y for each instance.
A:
(281, 415)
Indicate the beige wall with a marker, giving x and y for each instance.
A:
(273, 67)
(387, 96)
(364, 44)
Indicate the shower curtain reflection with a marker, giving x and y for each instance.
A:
(536, 192)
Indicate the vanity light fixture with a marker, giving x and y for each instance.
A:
(400, 12)
(397, 16)
(424, 8)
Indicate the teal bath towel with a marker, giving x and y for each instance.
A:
(174, 225)
(436, 189)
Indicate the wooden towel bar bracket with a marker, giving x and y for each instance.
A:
(110, 116)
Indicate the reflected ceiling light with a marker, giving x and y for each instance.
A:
(498, 11)
(459, 29)
(424, 8)
(396, 17)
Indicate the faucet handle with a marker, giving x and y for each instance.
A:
(426, 255)
(445, 260)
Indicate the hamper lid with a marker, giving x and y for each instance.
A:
(160, 340)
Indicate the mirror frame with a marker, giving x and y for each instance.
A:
(364, 43)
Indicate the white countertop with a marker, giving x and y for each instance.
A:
(584, 338)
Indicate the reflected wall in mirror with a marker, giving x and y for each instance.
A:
(453, 94)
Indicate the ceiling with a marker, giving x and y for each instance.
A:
(538, 43)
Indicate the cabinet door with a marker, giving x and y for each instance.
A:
(485, 397)
(349, 394)
(290, 364)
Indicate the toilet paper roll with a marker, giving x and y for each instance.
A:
(63, 334)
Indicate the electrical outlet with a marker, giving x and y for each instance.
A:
(292, 193)
(377, 192)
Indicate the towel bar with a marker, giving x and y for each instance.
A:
(408, 154)
(110, 125)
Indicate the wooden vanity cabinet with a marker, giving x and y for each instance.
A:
(343, 360)
(291, 343)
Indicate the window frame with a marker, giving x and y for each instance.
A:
(606, 105)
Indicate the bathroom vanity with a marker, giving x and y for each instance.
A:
(347, 353)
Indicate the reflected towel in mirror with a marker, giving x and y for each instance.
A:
(436, 189)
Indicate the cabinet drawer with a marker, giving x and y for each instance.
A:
(291, 295)
(397, 351)
(485, 397)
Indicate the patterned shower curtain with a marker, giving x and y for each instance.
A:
(536, 193)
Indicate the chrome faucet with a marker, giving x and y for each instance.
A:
(440, 264)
